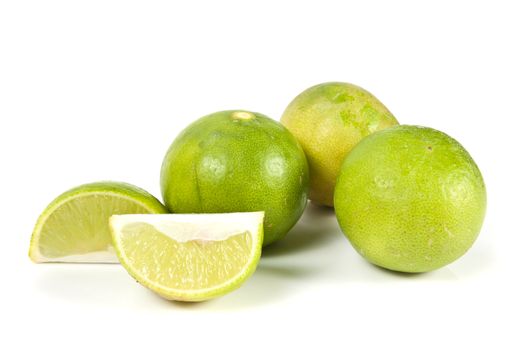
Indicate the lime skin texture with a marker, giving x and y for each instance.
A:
(410, 199)
(328, 120)
(237, 161)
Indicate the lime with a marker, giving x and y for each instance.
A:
(75, 226)
(237, 161)
(410, 199)
(328, 120)
(189, 257)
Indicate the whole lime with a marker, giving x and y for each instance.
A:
(237, 161)
(410, 199)
(328, 120)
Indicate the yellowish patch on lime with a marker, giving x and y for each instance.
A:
(243, 115)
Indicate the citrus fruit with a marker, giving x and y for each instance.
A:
(410, 199)
(328, 120)
(237, 161)
(75, 226)
(189, 257)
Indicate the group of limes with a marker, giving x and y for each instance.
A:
(408, 198)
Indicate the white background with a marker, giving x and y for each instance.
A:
(93, 90)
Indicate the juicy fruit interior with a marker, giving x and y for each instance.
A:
(189, 265)
(80, 225)
(328, 120)
(421, 209)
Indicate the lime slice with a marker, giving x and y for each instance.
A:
(75, 226)
(189, 257)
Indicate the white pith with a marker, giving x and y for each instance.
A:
(107, 256)
(187, 227)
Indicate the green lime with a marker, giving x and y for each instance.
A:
(75, 226)
(189, 257)
(328, 120)
(237, 161)
(410, 199)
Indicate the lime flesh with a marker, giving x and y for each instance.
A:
(189, 257)
(75, 226)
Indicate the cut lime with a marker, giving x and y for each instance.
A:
(75, 226)
(189, 257)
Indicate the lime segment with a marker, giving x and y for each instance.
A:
(75, 226)
(189, 257)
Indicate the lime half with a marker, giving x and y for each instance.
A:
(75, 226)
(189, 257)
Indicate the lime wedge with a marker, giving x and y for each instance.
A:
(189, 257)
(75, 226)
